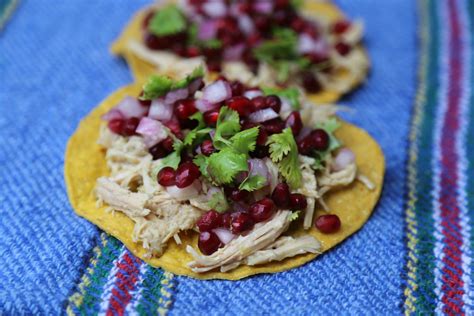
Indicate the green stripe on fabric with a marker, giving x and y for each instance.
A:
(151, 291)
(6, 9)
(425, 296)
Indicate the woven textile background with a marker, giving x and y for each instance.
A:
(55, 67)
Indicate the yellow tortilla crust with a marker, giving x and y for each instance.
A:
(85, 162)
(142, 69)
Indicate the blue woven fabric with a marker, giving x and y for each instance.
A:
(55, 66)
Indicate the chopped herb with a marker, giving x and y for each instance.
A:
(167, 21)
(224, 165)
(227, 125)
(294, 216)
(202, 162)
(284, 152)
(173, 159)
(245, 140)
(218, 202)
(253, 183)
(199, 132)
(291, 94)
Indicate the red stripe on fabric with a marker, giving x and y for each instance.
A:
(127, 276)
(450, 213)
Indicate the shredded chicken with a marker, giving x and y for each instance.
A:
(235, 251)
(340, 178)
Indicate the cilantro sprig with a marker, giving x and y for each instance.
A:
(167, 21)
(284, 153)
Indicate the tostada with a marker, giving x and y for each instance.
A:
(306, 43)
(221, 180)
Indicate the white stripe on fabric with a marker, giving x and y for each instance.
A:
(109, 285)
(137, 292)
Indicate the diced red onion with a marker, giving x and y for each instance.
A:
(234, 52)
(306, 44)
(130, 107)
(263, 6)
(234, 10)
(344, 157)
(241, 176)
(194, 86)
(217, 92)
(240, 207)
(263, 115)
(246, 24)
(161, 111)
(253, 93)
(214, 9)
(207, 30)
(152, 131)
(186, 193)
(212, 133)
(305, 131)
(224, 235)
(113, 114)
(285, 105)
(175, 95)
(204, 105)
(257, 167)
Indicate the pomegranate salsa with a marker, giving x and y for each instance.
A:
(258, 33)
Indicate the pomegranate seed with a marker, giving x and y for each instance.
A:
(262, 137)
(130, 125)
(341, 26)
(312, 31)
(305, 146)
(262, 23)
(317, 58)
(274, 102)
(184, 108)
(245, 7)
(283, 17)
(294, 121)
(212, 53)
(262, 210)
(143, 102)
(328, 224)
(166, 177)
(211, 117)
(226, 220)
(167, 144)
(297, 202)
(207, 148)
(282, 4)
(208, 243)
(193, 51)
(174, 127)
(310, 83)
(158, 151)
(319, 139)
(241, 222)
(253, 39)
(186, 173)
(209, 220)
(237, 88)
(240, 104)
(342, 48)
(236, 195)
(298, 25)
(116, 125)
(274, 126)
(214, 65)
(259, 103)
(281, 195)
(147, 19)
(154, 42)
(260, 152)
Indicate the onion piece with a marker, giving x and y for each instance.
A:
(152, 131)
(214, 9)
(207, 30)
(186, 193)
(113, 114)
(161, 111)
(240, 207)
(204, 105)
(130, 107)
(263, 115)
(258, 167)
(224, 235)
(344, 158)
(175, 95)
(305, 131)
(234, 52)
(308, 45)
(217, 92)
(246, 24)
(194, 86)
(263, 6)
(253, 93)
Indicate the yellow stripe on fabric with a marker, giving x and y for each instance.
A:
(166, 293)
(411, 223)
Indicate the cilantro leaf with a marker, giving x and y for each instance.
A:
(284, 152)
(167, 21)
(157, 86)
(199, 132)
(294, 216)
(218, 202)
(281, 46)
(245, 140)
(227, 125)
(173, 159)
(202, 162)
(194, 40)
(291, 94)
(253, 183)
(225, 165)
